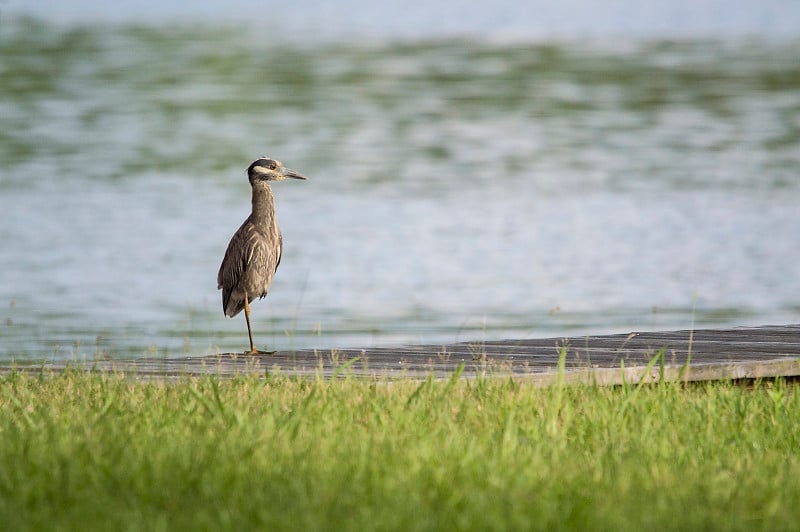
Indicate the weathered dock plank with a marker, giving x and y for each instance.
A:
(706, 354)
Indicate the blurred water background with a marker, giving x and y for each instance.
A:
(477, 170)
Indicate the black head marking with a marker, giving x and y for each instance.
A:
(265, 162)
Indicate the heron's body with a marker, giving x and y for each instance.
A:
(254, 252)
(252, 258)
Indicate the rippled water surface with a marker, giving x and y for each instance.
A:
(460, 188)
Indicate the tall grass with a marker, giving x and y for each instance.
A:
(80, 451)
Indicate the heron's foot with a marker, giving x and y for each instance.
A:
(255, 352)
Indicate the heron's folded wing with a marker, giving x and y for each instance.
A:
(238, 258)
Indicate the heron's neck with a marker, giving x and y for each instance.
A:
(263, 203)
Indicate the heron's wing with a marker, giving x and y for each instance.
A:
(248, 266)
(280, 250)
(237, 258)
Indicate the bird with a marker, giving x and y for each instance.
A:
(254, 252)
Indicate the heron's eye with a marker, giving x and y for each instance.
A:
(268, 163)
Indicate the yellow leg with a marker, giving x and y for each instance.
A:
(253, 350)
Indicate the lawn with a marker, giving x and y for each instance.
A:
(90, 452)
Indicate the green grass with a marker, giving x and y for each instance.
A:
(85, 452)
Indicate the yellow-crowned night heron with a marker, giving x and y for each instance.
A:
(254, 252)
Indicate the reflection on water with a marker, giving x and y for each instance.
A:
(460, 189)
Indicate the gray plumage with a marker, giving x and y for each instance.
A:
(254, 252)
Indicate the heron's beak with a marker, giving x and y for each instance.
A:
(287, 172)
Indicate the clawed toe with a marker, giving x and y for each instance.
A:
(256, 352)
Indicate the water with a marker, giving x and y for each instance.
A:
(462, 187)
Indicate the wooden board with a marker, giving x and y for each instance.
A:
(707, 354)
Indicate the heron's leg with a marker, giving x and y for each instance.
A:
(253, 350)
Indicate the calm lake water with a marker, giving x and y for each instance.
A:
(462, 187)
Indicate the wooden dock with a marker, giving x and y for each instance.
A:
(706, 354)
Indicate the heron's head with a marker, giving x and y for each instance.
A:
(266, 169)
